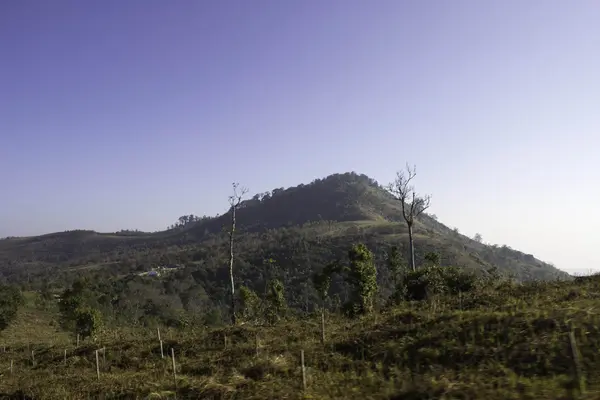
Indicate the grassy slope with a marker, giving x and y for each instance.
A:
(516, 346)
(33, 326)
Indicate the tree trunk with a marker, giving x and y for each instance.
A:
(233, 319)
(412, 248)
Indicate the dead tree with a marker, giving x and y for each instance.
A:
(413, 205)
(234, 201)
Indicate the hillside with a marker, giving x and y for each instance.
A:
(288, 234)
(341, 207)
(444, 332)
(531, 341)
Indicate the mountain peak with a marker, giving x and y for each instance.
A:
(337, 211)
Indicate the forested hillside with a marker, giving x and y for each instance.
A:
(321, 269)
(286, 234)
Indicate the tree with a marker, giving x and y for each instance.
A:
(79, 297)
(432, 259)
(70, 301)
(270, 271)
(44, 298)
(322, 282)
(412, 204)
(275, 301)
(397, 267)
(395, 264)
(234, 201)
(477, 237)
(249, 304)
(362, 276)
(87, 322)
(10, 300)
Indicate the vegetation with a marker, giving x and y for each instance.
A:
(331, 257)
(497, 340)
(286, 235)
(234, 202)
(276, 304)
(87, 322)
(10, 300)
(250, 305)
(412, 204)
(362, 277)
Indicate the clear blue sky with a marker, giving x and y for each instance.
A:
(127, 114)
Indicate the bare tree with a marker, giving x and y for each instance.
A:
(234, 201)
(413, 205)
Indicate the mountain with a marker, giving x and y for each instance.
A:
(300, 229)
(514, 334)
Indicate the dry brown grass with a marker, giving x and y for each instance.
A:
(518, 349)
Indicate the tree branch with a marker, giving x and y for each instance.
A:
(238, 194)
(402, 190)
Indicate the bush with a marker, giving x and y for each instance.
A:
(435, 280)
(276, 305)
(249, 305)
(362, 277)
(87, 322)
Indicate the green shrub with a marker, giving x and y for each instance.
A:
(275, 304)
(436, 280)
(249, 304)
(362, 277)
(87, 322)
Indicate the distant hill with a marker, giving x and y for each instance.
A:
(302, 228)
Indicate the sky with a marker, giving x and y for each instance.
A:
(127, 114)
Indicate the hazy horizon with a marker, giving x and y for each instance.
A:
(125, 115)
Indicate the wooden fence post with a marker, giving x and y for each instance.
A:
(257, 345)
(162, 354)
(174, 367)
(577, 362)
(65, 356)
(303, 370)
(322, 325)
(97, 365)
(11, 367)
